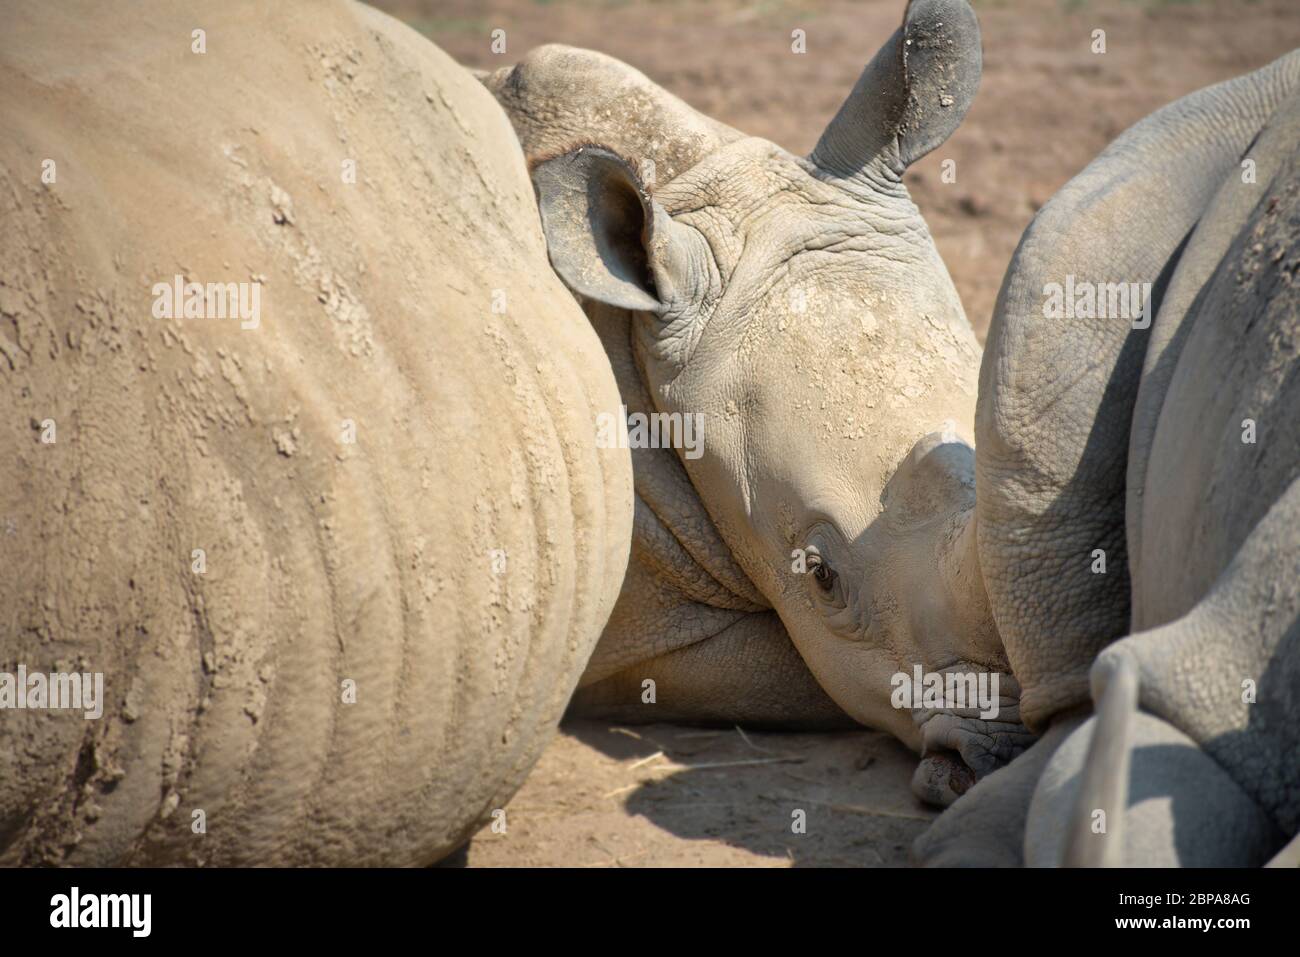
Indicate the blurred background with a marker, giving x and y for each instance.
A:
(1047, 104)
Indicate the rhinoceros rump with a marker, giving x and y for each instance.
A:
(275, 542)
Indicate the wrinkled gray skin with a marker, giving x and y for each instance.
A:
(799, 305)
(1093, 434)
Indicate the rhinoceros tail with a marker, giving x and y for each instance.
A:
(1096, 835)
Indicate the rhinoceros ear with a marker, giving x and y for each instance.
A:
(910, 97)
(600, 225)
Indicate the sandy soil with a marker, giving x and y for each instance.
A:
(1047, 105)
(663, 795)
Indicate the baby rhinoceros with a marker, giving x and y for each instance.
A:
(819, 540)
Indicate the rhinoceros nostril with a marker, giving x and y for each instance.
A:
(941, 778)
(961, 779)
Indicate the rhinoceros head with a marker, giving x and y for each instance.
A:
(798, 306)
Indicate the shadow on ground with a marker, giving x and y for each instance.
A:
(669, 795)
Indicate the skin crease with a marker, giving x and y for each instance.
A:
(804, 312)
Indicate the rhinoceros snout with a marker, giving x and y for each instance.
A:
(961, 745)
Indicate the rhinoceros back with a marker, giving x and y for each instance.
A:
(341, 557)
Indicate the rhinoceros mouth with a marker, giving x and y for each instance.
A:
(944, 774)
(962, 744)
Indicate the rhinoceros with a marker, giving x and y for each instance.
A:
(821, 540)
(342, 567)
(341, 558)
(1139, 479)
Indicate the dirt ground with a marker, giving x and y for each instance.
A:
(604, 796)
(662, 795)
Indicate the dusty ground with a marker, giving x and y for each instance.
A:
(1047, 105)
(663, 795)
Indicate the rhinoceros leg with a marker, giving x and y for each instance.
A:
(1180, 808)
(1217, 644)
(1056, 395)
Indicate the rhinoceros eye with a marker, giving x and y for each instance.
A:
(824, 574)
